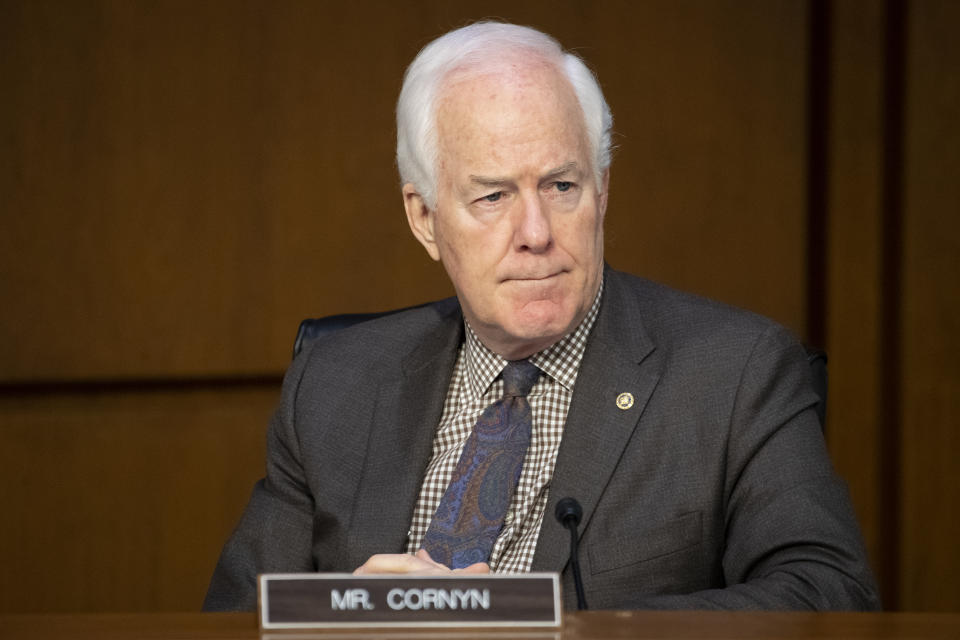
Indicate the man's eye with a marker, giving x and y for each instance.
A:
(563, 186)
(493, 197)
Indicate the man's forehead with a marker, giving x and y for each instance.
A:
(513, 73)
(507, 104)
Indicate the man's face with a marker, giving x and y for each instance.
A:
(518, 223)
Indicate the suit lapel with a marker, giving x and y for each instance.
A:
(407, 412)
(619, 359)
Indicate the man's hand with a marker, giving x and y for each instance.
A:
(421, 563)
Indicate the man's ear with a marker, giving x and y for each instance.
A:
(604, 187)
(421, 219)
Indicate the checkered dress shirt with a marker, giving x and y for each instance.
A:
(474, 386)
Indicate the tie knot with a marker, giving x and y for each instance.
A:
(518, 377)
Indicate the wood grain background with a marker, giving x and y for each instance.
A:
(181, 183)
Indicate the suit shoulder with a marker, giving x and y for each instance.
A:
(677, 317)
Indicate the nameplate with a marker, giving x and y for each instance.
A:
(323, 600)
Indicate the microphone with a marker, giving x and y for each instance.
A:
(568, 513)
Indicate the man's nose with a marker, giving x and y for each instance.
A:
(532, 225)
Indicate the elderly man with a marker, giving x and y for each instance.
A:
(436, 439)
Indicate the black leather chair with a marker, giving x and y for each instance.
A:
(313, 328)
(818, 367)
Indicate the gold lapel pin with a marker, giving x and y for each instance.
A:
(624, 401)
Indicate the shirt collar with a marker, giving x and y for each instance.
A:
(560, 361)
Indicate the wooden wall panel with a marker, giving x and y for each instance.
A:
(930, 310)
(893, 306)
(189, 180)
(854, 287)
(707, 186)
(121, 501)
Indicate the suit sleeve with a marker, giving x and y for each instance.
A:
(792, 540)
(275, 532)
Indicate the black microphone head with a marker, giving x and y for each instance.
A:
(568, 509)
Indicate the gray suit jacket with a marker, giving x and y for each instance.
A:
(714, 490)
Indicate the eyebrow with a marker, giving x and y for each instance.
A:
(488, 181)
(561, 170)
(485, 181)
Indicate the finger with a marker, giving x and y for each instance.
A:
(384, 563)
(425, 556)
(395, 563)
(477, 567)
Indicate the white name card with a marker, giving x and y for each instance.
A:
(323, 600)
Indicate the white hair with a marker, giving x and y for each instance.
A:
(482, 44)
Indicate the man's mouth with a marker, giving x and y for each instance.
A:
(532, 277)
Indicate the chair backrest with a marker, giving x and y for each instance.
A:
(818, 369)
(313, 328)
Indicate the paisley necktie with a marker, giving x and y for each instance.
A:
(471, 512)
